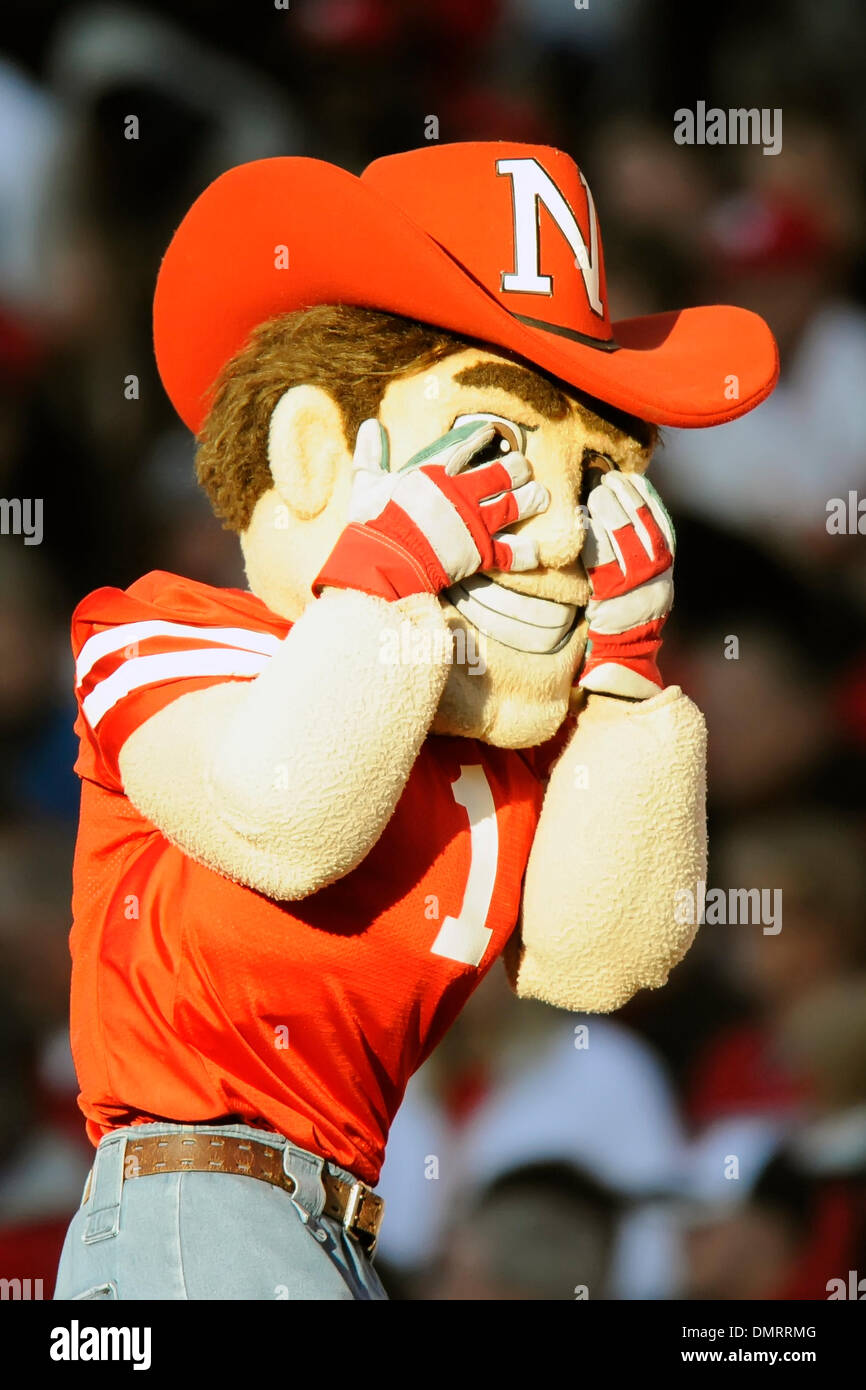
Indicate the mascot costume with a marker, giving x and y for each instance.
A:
(432, 732)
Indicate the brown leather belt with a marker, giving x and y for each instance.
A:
(353, 1204)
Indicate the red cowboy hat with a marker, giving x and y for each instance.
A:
(491, 240)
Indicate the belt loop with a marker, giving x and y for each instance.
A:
(106, 1185)
(306, 1170)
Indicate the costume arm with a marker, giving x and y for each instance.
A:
(286, 782)
(622, 829)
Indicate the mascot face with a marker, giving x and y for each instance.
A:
(518, 639)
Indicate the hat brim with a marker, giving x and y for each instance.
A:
(277, 235)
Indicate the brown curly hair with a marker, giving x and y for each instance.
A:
(350, 352)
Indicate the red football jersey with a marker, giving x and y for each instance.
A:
(195, 998)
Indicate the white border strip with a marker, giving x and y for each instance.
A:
(148, 670)
(127, 634)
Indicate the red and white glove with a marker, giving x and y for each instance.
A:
(628, 556)
(436, 521)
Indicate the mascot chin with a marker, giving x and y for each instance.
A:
(432, 731)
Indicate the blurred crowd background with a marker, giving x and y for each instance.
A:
(709, 1141)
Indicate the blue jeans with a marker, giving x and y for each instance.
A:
(210, 1235)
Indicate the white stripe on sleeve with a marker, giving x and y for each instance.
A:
(128, 634)
(148, 670)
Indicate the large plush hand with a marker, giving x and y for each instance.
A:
(628, 555)
(436, 520)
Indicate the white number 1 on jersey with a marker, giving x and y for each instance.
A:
(466, 937)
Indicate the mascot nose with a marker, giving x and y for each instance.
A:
(560, 531)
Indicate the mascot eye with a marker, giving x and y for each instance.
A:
(594, 467)
(497, 447)
(509, 437)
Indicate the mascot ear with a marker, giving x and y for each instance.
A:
(306, 449)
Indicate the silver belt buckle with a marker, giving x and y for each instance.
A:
(357, 1194)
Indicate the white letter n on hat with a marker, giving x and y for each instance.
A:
(531, 185)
